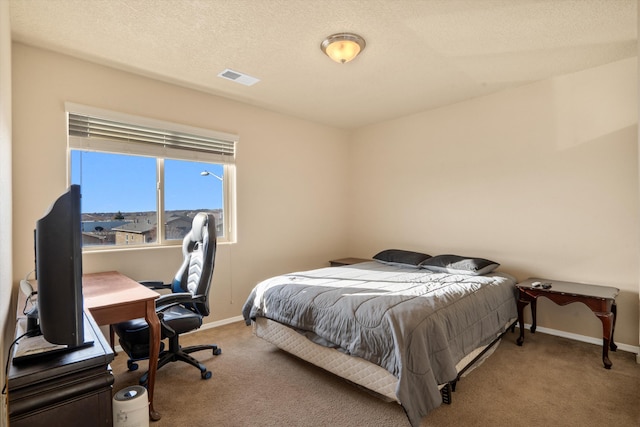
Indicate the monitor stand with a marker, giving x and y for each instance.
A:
(36, 347)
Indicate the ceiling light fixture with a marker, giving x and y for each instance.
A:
(343, 47)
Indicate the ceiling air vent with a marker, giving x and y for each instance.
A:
(238, 77)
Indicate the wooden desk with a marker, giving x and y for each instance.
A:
(600, 299)
(112, 297)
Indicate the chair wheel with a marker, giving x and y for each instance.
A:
(206, 375)
(131, 365)
(217, 351)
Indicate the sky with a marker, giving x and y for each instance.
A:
(116, 182)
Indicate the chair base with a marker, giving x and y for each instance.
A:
(177, 353)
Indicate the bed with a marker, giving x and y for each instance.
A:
(405, 325)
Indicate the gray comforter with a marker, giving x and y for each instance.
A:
(416, 324)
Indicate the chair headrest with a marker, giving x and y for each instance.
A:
(198, 226)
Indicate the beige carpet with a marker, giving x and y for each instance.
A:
(550, 381)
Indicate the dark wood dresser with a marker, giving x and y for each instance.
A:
(66, 389)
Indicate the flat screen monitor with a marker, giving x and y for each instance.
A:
(58, 250)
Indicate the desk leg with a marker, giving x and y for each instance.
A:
(154, 339)
(112, 339)
(607, 327)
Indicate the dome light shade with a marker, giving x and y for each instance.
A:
(343, 47)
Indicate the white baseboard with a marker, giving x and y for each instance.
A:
(221, 322)
(597, 341)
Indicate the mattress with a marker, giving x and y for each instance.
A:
(354, 369)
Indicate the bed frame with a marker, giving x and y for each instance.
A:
(356, 370)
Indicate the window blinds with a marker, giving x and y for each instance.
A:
(93, 133)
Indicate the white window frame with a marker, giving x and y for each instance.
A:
(161, 151)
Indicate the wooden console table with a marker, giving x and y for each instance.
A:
(600, 299)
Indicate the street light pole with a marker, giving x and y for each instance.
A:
(207, 173)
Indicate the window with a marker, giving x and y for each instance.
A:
(136, 173)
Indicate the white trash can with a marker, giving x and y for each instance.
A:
(131, 407)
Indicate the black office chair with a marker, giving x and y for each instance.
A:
(182, 310)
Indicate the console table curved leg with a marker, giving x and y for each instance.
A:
(534, 310)
(521, 305)
(614, 311)
(607, 326)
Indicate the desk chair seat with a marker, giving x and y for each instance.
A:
(182, 310)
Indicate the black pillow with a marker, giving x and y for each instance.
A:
(401, 257)
(456, 264)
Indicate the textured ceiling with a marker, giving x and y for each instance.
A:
(420, 54)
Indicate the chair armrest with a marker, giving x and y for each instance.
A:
(168, 300)
(167, 331)
(164, 302)
(154, 284)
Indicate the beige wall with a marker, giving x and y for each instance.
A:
(290, 173)
(542, 178)
(6, 325)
